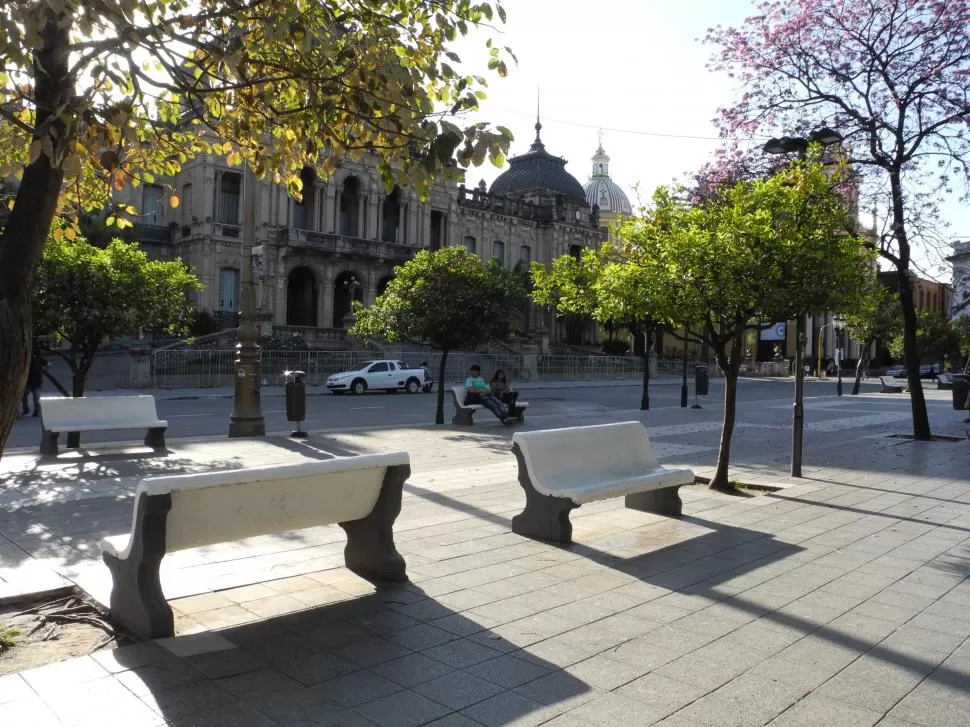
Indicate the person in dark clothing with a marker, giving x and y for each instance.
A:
(500, 387)
(35, 380)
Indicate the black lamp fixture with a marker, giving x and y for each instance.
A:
(799, 145)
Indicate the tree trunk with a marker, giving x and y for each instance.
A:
(22, 242)
(921, 420)
(439, 414)
(729, 367)
(78, 382)
(861, 366)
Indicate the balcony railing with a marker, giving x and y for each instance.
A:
(330, 242)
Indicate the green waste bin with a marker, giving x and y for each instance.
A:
(961, 386)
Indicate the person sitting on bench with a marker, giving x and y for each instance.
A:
(479, 393)
(500, 387)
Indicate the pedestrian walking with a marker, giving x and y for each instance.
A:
(35, 381)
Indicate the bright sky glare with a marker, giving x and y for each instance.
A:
(636, 69)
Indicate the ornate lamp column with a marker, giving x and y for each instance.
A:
(246, 419)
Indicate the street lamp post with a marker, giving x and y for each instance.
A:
(799, 145)
(683, 382)
(246, 419)
(839, 324)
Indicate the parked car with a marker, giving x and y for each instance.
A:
(926, 371)
(383, 375)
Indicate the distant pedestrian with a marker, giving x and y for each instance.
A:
(35, 381)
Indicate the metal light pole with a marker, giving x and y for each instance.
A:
(798, 409)
(839, 323)
(799, 145)
(683, 382)
(246, 419)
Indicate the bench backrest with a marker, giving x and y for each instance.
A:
(557, 454)
(62, 412)
(459, 393)
(218, 507)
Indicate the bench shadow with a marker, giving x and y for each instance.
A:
(395, 656)
(705, 567)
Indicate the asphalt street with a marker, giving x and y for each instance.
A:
(768, 400)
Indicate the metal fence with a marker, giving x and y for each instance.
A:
(181, 368)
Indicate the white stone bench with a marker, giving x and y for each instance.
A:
(97, 414)
(361, 494)
(464, 412)
(889, 386)
(944, 381)
(560, 469)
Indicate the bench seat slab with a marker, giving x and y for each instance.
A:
(370, 550)
(544, 517)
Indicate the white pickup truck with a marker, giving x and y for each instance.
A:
(384, 375)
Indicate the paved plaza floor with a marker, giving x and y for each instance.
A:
(840, 599)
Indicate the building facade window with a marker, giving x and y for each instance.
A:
(229, 290)
(498, 251)
(187, 203)
(470, 243)
(151, 204)
(230, 189)
(525, 255)
(439, 222)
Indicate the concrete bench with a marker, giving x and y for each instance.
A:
(84, 414)
(464, 412)
(561, 469)
(361, 494)
(889, 386)
(944, 381)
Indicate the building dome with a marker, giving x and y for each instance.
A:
(604, 192)
(537, 170)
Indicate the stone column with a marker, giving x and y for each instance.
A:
(140, 368)
(326, 294)
(373, 217)
(370, 289)
(361, 214)
(279, 310)
(327, 216)
(379, 220)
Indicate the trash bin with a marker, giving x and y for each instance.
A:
(961, 385)
(700, 380)
(296, 400)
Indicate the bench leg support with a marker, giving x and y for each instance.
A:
(663, 502)
(137, 602)
(517, 412)
(155, 438)
(370, 551)
(544, 517)
(48, 443)
(463, 417)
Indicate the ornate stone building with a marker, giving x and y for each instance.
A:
(342, 242)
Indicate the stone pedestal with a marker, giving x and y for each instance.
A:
(140, 368)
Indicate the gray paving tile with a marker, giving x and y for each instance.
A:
(420, 637)
(128, 657)
(605, 673)
(509, 670)
(462, 653)
(13, 687)
(413, 669)
(509, 708)
(309, 670)
(255, 683)
(816, 709)
(233, 715)
(743, 701)
(558, 689)
(373, 651)
(188, 699)
(660, 693)
(51, 677)
(358, 688)
(28, 711)
(403, 709)
(612, 709)
(458, 690)
(157, 676)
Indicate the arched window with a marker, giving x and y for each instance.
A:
(498, 251)
(350, 207)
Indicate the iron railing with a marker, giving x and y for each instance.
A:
(178, 368)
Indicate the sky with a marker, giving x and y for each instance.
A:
(635, 69)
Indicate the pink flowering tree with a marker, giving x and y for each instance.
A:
(891, 77)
